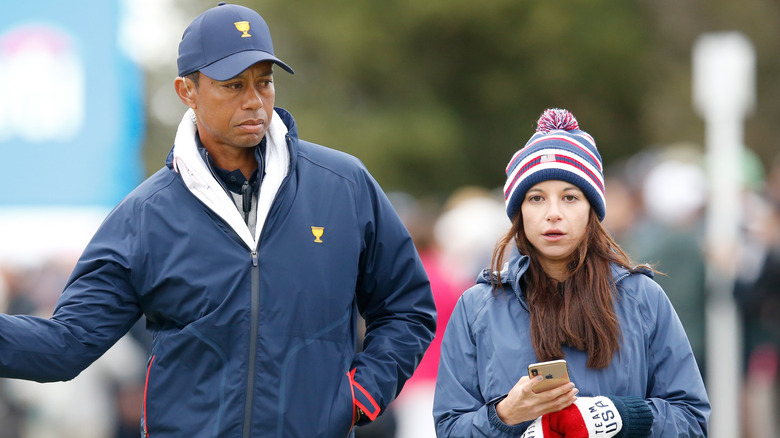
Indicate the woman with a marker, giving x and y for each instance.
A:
(567, 292)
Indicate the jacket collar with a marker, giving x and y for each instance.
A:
(185, 160)
(292, 133)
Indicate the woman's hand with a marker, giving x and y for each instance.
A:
(522, 404)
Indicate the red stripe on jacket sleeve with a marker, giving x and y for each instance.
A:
(146, 391)
(362, 398)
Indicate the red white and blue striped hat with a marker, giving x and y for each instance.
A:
(558, 151)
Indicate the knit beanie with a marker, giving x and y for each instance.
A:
(558, 150)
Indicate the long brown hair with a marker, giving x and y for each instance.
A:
(579, 311)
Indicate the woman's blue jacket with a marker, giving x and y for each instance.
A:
(486, 349)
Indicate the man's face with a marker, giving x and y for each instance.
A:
(234, 113)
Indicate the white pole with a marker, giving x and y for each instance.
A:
(723, 94)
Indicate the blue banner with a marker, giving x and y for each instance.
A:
(71, 105)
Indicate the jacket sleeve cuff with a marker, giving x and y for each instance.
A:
(496, 422)
(636, 415)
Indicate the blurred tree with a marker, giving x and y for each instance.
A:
(438, 94)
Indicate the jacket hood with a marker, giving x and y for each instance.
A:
(511, 273)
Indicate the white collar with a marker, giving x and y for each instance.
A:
(201, 183)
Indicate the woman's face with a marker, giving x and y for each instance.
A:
(555, 219)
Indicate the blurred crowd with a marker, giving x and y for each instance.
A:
(656, 211)
(104, 401)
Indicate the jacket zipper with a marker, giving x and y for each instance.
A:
(255, 305)
(255, 318)
(255, 308)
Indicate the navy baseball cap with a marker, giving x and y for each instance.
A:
(224, 41)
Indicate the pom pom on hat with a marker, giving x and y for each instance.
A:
(555, 118)
(558, 150)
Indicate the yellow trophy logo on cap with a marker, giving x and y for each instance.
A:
(243, 26)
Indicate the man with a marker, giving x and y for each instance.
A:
(251, 255)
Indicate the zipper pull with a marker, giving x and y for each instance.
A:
(254, 258)
(246, 198)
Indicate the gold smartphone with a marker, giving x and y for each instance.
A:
(555, 373)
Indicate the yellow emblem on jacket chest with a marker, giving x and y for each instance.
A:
(317, 232)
